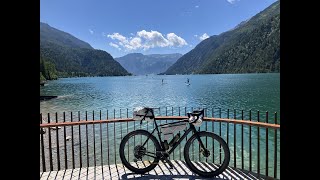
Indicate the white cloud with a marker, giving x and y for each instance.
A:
(175, 40)
(232, 1)
(153, 39)
(197, 6)
(195, 35)
(91, 31)
(135, 42)
(204, 36)
(147, 39)
(103, 34)
(115, 46)
(118, 37)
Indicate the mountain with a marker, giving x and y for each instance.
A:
(47, 70)
(65, 56)
(139, 64)
(252, 46)
(49, 34)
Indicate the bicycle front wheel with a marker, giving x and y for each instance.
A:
(138, 151)
(211, 159)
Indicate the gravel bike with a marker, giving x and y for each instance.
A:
(205, 153)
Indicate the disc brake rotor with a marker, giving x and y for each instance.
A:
(139, 151)
(205, 152)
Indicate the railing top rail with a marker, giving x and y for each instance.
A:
(234, 121)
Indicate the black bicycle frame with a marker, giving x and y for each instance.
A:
(191, 128)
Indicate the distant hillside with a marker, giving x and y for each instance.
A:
(139, 64)
(49, 34)
(47, 70)
(68, 56)
(252, 46)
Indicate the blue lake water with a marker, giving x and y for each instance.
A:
(115, 96)
(225, 91)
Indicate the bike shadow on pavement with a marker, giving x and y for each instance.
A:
(154, 177)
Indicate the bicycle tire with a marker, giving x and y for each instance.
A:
(123, 157)
(196, 170)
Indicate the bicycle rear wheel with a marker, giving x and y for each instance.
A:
(209, 161)
(138, 151)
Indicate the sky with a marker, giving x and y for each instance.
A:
(147, 26)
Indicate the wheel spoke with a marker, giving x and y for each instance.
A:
(137, 158)
(202, 160)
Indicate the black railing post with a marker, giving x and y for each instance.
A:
(87, 141)
(228, 128)
(148, 141)
(134, 137)
(275, 147)
(179, 143)
(234, 141)
(166, 114)
(108, 140)
(94, 144)
(94, 141)
(114, 137)
(220, 134)
(250, 144)
(192, 146)
(72, 142)
(50, 145)
(65, 143)
(172, 135)
(128, 132)
(199, 146)
(185, 113)
(101, 156)
(108, 158)
(267, 146)
(57, 141)
(120, 126)
(205, 114)
(212, 115)
(242, 153)
(172, 111)
(80, 150)
(42, 147)
(212, 123)
(258, 143)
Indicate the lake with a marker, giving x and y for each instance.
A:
(225, 91)
(217, 93)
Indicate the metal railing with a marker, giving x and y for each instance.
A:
(76, 140)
